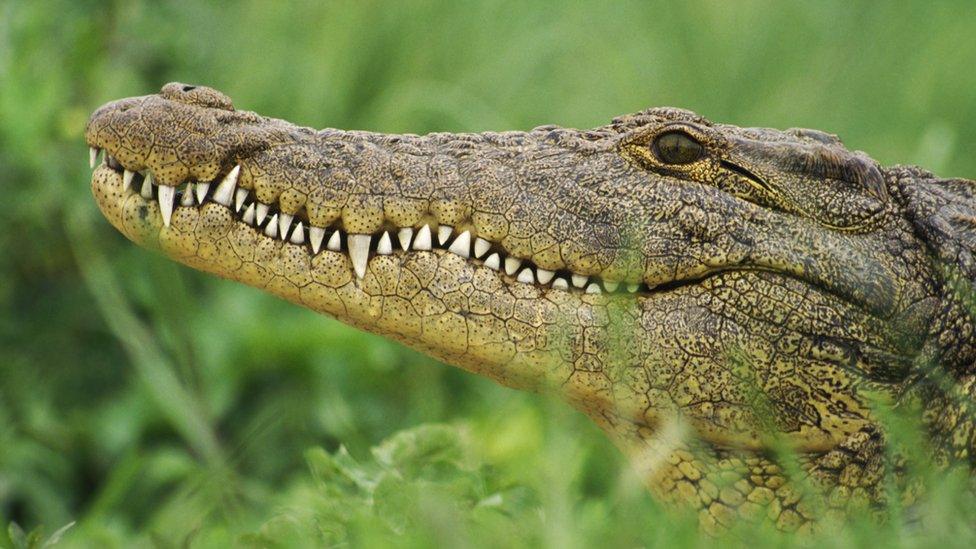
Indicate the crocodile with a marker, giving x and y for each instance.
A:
(730, 305)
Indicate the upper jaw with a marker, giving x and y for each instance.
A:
(270, 222)
(177, 154)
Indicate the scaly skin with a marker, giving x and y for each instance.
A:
(768, 283)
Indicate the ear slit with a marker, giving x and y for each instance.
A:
(734, 168)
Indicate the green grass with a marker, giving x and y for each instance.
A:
(150, 405)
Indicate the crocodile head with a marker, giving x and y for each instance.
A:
(751, 285)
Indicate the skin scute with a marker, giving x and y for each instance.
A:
(707, 294)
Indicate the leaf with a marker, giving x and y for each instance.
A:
(424, 448)
(57, 535)
(17, 536)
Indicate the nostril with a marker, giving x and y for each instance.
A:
(200, 96)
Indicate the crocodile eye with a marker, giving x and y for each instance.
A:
(677, 147)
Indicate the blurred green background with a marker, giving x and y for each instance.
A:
(156, 406)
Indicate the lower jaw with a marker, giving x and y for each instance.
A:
(437, 302)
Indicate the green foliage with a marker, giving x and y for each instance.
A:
(418, 486)
(156, 406)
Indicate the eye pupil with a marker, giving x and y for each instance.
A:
(677, 147)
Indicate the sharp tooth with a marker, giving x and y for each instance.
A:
(560, 284)
(526, 277)
(579, 280)
(166, 195)
(422, 242)
(225, 190)
(359, 252)
(127, 176)
(187, 199)
(93, 156)
(147, 186)
(512, 264)
(462, 245)
(284, 222)
(593, 288)
(633, 287)
(261, 212)
(443, 233)
(335, 242)
(544, 276)
(249, 214)
(481, 247)
(493, 262)
(298, 235)
(385, 245)
(405, 235)
(201, 191)
(272, 228)
(240, 195)
(316, 235)
(611, 286)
